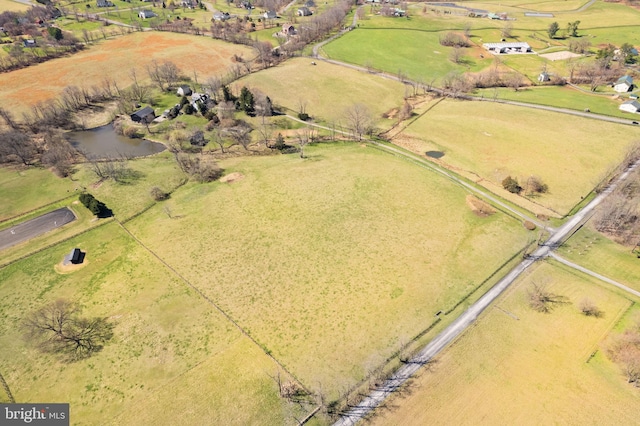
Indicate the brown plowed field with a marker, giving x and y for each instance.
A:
(115, 58)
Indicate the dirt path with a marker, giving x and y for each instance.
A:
(457, 327)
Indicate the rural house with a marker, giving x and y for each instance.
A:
(630, 106)
(288, 30)
(544, 76)
(221, 16)
(29, 43)
(270, 14)
(304, 11)
(246, 5)
(191, 4)
(506, 48)
(145, 115)
(104, 3)
(184, 90)
(145, 14)
(310, 3)
(624, 84)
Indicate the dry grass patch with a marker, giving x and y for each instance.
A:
(350, 245)
(479, 207)
(114, 59)
(326, 89)
(517, 360)
(570, 154)
(170, 346)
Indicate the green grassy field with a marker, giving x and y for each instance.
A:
(518, 366)
(170, 347)
(571, 154)
(328, 90)
(27, 189)
(594, 251)
(562, 97)
(417, 53)
(350, 245)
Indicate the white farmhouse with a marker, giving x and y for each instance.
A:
(624, 84)
(630, 106)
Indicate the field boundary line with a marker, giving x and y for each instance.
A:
(614, 323)
(215, 305)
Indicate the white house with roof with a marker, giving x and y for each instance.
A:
(630, 106)
(624, 84)
(506, 48)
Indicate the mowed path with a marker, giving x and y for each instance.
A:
(34, 227)
(114, 59)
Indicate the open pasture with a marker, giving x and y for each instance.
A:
(173, 355)
(519, 366)
(562, 97)
(418, 54)
(115, 58)
(491, 140)
(326, 89)
(595, 251)
(29, 188)
(330, 262)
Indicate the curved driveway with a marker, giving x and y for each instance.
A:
(34, 227)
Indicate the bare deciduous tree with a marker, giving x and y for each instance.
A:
(58, 328)
(589, 308)
(541, 300)
(359, 120)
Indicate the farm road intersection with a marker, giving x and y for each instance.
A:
(460, 324)
(32, 228)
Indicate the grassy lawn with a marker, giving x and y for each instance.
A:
(349, 245)
(417, 53)
(328, 90)
(115, 58)
(532, 370)
(594, 251)
(170, 346)
(562, 97)
(29, 188)
(126, 199)
(571, 154)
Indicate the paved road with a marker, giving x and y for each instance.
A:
(594, 274)
(34, 227)
(456, 328)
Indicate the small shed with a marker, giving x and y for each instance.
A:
(544, 76)
(184, 90)
(288, 30)
(145, 115)
(75, 256)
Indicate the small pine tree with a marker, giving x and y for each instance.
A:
(279, 142)
(246, 102)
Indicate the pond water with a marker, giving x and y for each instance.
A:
(434, 154)
(103, 142)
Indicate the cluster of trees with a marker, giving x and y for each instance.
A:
(534, 185)
(96, 207)
(624, 350)
(54, 44)
(49, 148)
(452, 39)
(571, 30)
(59, 328)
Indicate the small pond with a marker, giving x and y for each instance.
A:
(434, 154)
(103, 142)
